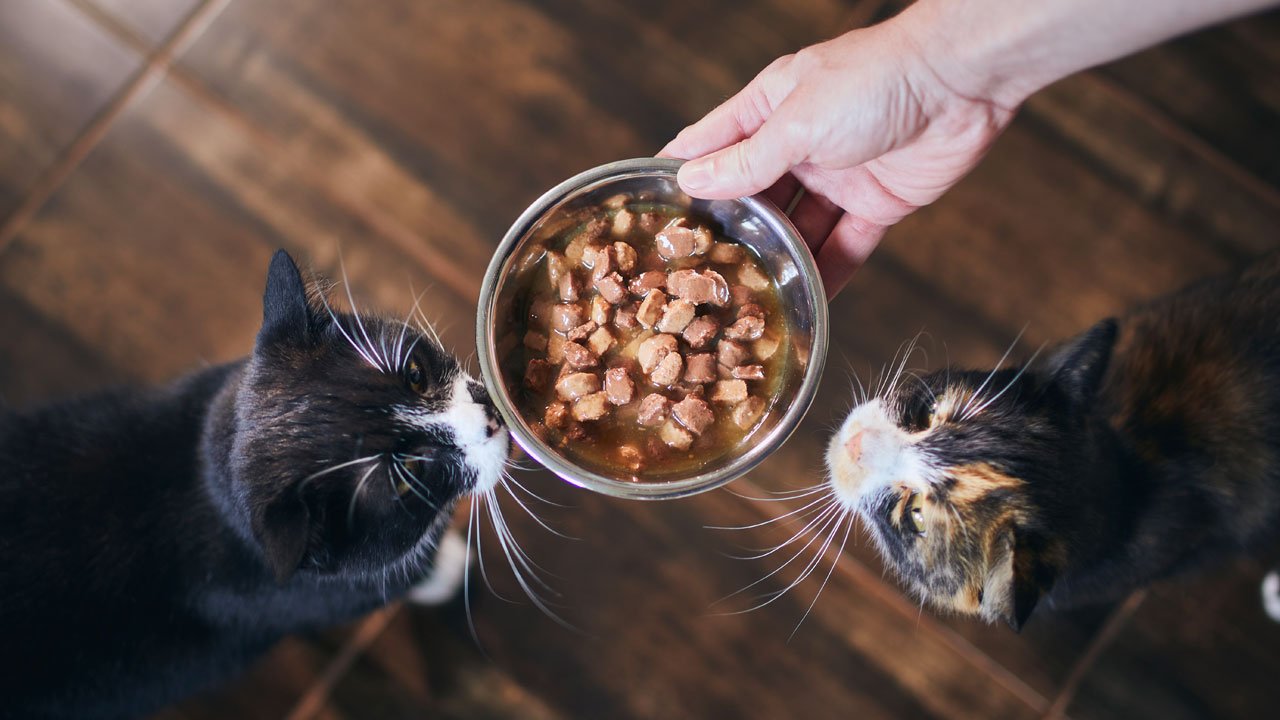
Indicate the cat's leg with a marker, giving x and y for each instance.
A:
(1271, 594)
(447, 573)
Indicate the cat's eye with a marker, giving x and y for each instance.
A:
(403, 487)
(921, 415)
(915, 511)
(415, 377)
(412, 468)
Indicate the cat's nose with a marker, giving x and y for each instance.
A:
(492, 422)
(854, 446)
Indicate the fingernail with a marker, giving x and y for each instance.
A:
(695, 175)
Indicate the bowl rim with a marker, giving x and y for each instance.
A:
(658, 490)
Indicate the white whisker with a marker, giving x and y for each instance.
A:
(825, 510)
(350, 340)
(836, 561)
(355, 313)
(305, 481)
(964, 411)
(770, 520)
(1010, 384)
(511, 478)
(803, 573)
(531, 514)
(355, 496)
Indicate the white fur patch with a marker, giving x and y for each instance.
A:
(447, 573)
(1271, 595)
(882, 455)
(469, 424)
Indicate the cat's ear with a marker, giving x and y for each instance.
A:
(283, 529)
(1078, 365)
(1031, 576)
(286, 314)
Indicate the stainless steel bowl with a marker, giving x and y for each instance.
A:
(753, 221)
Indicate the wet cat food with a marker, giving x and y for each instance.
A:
(647, 343)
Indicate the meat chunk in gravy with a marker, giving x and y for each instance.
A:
(729, 391)
(653, 350)
(591, 407)
(619, 387)
(654, 409)
(693, 413)
(578, 357)
(669, 369)
(747, 413)
(566, 316)
(748, 327)
(611, 288)
(699, 288)
(676, 316)
(576, 385)
(674, 242)
(700, 368)
(701, 331)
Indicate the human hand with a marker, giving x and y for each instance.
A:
(864, 123)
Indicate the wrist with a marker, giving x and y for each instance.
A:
(1002, 51)
(989, 57)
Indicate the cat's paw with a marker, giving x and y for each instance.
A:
(447, 573)
(1271, 594)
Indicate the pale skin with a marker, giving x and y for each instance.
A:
(882, 121)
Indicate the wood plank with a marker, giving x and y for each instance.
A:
(49, 90)
(176, 281)
(1195, 648)
(270, 687)
(1221, 86)
(1034, 237)
(154, 20)
(447, 677)
(1158, 163)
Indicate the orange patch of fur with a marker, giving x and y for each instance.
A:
(976, 481)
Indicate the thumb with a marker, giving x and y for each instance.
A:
(744, 168)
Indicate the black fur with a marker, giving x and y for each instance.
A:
(153, 541)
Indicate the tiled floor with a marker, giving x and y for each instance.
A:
(153, 153)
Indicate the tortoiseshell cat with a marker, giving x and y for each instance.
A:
(1144, 447)
(153, 541)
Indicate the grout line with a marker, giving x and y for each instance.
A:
(311, 702)
(141, 82)
(1101, 641)
(857, 572)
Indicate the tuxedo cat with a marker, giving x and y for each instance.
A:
(1145, 447)
(154, 541)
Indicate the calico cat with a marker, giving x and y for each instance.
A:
(1143, 448)
(154, 541)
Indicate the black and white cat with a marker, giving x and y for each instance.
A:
(154, 541)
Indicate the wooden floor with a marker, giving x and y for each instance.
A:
(153, 153)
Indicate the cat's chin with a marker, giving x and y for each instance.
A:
(487, 459)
